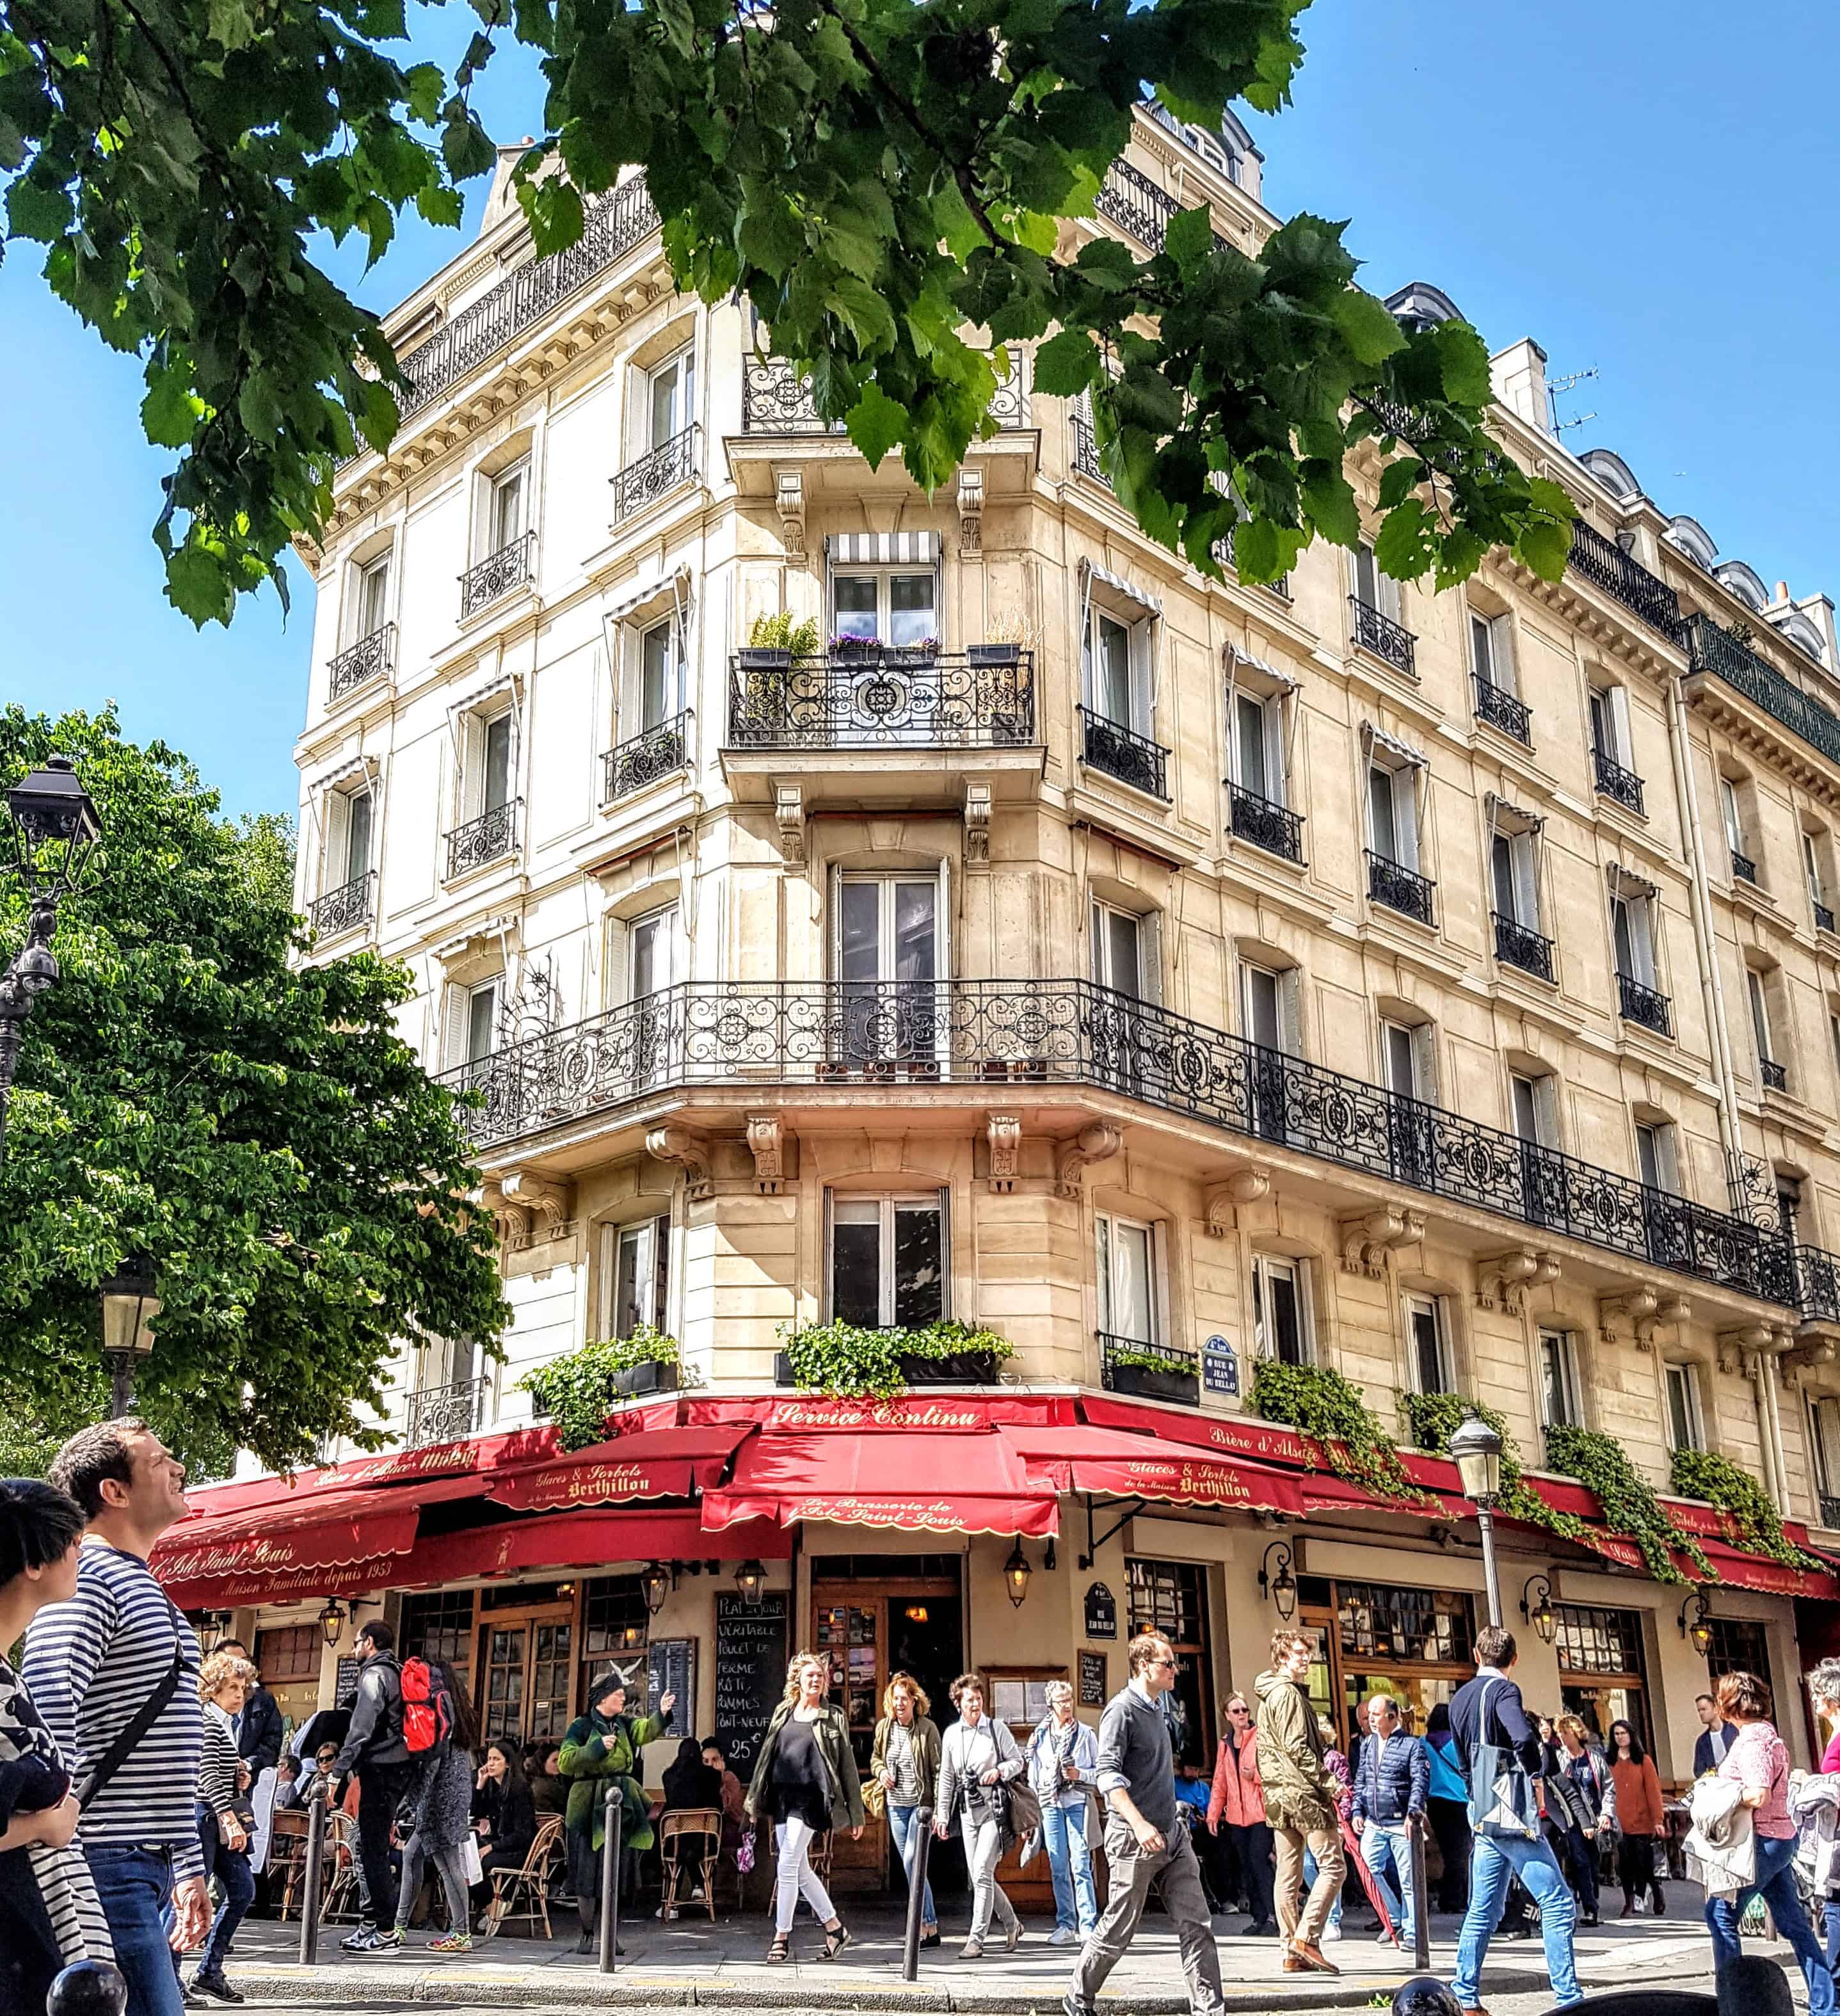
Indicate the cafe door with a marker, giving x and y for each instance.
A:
(525, 1670)
(873, 1616)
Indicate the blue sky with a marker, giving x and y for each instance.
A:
(1637, 187)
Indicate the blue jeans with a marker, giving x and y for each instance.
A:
(136, 1887)
(1493, 1862)
(230, 1867)
(1386, 1849)
(1070, 1862)
(1776, 1883)
(904, 1825)
(1309, 1876)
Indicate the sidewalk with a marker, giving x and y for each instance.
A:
(693, 1964)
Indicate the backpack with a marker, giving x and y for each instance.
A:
(427, 1713)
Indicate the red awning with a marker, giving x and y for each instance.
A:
(667, 1463)
(917, 1483)
(1125, 1466)
(583, 1540)
(1739, 1570)
(918, 1412)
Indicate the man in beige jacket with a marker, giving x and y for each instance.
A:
(1299, 1801)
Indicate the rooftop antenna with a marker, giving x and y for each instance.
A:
(1555, 387)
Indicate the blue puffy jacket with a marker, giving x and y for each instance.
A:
(1391, 1776)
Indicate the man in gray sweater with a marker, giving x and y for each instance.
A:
(1144, 1841)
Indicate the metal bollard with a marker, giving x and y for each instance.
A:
(1421, 1912)
(916, 1891)
(311, 1879)
(86, 1988)
(609, 1880)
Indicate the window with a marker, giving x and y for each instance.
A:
(372, 600)
(1759, 1016)
(1732, 812)
(1127, 952)
(1392, 813)
(1682, 1391)
(1535, 1104)
(1823, 1443)
(1512, 868)
(1375, 1621)
(671, 390)
(473, 1023)
(288, 1653)
(508, 516)
(1281, 1314)
(896, 606)
(347, 838)
(1258, 750)
(1406, 1059)
(486, 780)
(634, 1276)
(1739, 1645)
(661, 675)
(888, 1261)
(1171, 1599)
(1114, 665)
(1788, 1203)
(438, 1624)
(1428, 1340)
(1601, 1668)
(1378, 590)
(651, 953)
(1655, 1155)
(1492, 651)
(1127, 1280)
(1271, 1008)
(887, 929)
(1632, 931)
(1608, 707)
(1558, 1381)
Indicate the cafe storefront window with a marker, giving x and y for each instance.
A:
(1414, 1644)
(1601, 1673)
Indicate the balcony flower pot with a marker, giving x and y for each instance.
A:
(763, 658)
(782, 1369)
(957, 1368)
(994, 654)
(1165, 1383)
(652, 1375)
(856, 650)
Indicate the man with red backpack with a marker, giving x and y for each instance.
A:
(376, 1750)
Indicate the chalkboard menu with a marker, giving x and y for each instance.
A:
(671, 1668)
(1092, 1693)
(345, 1685)
(751, 1656)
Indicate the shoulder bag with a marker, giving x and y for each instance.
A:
(1504, 1805)
(150, 1711)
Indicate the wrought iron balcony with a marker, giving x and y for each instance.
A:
(1518, 944)
(368, 659)
(1776, 1077)
(1085, 452)
(1133, 759)
(1830, 1513)
(1399, 887)
(442, 1414)
(1817, 1274)
(1710, 650)
(1743, 868)
(347, 907)
(498, 574)
(1501, 709)
(666, 468)
(1148, 1371)
(1643, 1005)
(976, 1034)
(886, 699)
(644, 759)
(1824, 917)
(489, 837)
(775, 400)
(1603, 563)
(1615, 782)
(1274, 827)
(1384, 637)
(1130, 198)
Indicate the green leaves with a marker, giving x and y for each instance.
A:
(1067, 364)
(876, 424)
(1367, 327)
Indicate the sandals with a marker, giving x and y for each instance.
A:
(781, 1949)
(836, 1938)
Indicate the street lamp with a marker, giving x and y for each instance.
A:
(1477, 1450)
(1539, 1613)
(129, 1305)
(49, 808)
(1016, 1574)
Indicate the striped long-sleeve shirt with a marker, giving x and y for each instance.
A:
(217, 1773)
(91, 1665)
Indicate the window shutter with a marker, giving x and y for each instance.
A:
(1144, 643)
(1425, 1061)
(1291, 1010)
(338, 828)
(833, 891)
(680, 948)
(1095, 930)
(1405, 816)
(1545, 1109)
(826, 1298)
(1150, 941)
(619, 963)
(473, 763)
(1642, 938)
(1501, 650)
(1526, 880)
(942, 922)
(1389, 604)
(661, 1272)
(1102, 1264)
(945, 1251)
(1276, 769)
(1619, 715)
(453, 1036)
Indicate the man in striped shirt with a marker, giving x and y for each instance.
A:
(91, 1665)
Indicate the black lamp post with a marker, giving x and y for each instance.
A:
(1476, 1449)
(129, 1305)
(48, 810)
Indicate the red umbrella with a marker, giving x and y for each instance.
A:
(1351, 1841)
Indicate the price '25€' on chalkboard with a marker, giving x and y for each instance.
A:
(751, 1656)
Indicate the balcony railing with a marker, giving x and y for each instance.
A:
(1149, 1371)
(1085, 452)
(1384, 637)
(1710, 650)
(888, 699)
(1274, 827)
(1132, 758)
(1743, 868)
(1501, 709)
(1817, 1276)
(1603, 563)
(1643, 1005)
(442, 1414)
(368, 659)
(498, 574)
(1130, 198)
(667, 468)
(1518, 944)
(981, 1033)
(489, 837)
(1615, 782)
(1776, 1076)
(775, 400)
(347, 907)
(1824, 917)
(1400, 887)
(1830, 1512)
(644, 759)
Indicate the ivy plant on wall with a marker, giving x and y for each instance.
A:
(1429, 1419)
(851, 1361)
(1630, 1506)
(1328, 1407)
(1717, 1480)
(577, 1391)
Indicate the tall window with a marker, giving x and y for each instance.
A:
(347, 836)
(1127, 1279)
(1428, 1335)
(1535, 1104)
(888, 1260)
(1406, 1059)
(661, 675)
(1558, 1381)
(1754, 991)
(1686, 1430)
(486, 784)
(1610, 725)
(1491, 654)
(636, 1273)
(472, 1022)
(508, 519)
(1270, 1007)
(893, 605)
(373, 598)
(671, 393)
(1125, 953)
(1813, 847)
(1115, 656)
(1392, 813)
(1377, 590)
(1732, 812)
(1280, 1312)
(1655, 1156)
(1824, 1443)
(1632, 931)
(888, 954)
(1258, 749)
(1514, 877)
(651, 953)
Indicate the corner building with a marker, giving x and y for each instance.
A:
(1165, 974)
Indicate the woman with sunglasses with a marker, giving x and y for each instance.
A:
(1238, 1804)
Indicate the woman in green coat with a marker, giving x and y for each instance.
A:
(601, 1745)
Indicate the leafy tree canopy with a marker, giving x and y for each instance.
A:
(257, 1127)
(874, 175)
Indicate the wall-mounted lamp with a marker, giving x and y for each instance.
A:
(1279, 1588)
(1016, 1573)
(1539, 1613)
(1699, 1630)
(655, 1585)
(332, 1622)
(750, 1579)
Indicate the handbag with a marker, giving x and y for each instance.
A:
(1504, 1803)
(242, 1814)
(470, 1859)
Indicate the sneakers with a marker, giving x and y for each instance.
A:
(1330, 1933)
(1064, 1935)
(214, 1988)
(364, 1940)
(453, 1943)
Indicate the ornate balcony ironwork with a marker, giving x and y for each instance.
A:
(1830, 1514)
(1149, 1371)
(1400, 887)
(775, 400)
(1518, 944)
(489, 837)
(1615, 782)
(1824, 917)
(1643, 1005)
(1743, 868)
(347, 907)
(1817, 1274)
(656, 475)
(1776, 1076)
(1130, 198)
(498, 574)
(1085, 452)
(644, 759)
(1501, 709)
(1710, 650)
(442, 1414)
(892, 700)
(1132, 758)
(1274, 827)
(1603, 563)
(1384, 637)
(367, 660)
(979, 1033)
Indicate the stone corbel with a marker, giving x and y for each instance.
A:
(789, 499)
(1735, 1346)
(1369, 1236)
(547, 1207)
(689, 1151)
(977, 823)
(1004, 1133)
(789, 811)
(1222, 1200)
(1096, 1142)
(512, 1220)
(970, 509)
(1502, 1278)
(766, 1142)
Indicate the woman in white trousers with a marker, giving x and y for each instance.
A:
(977, 1755)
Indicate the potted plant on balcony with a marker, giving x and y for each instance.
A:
(579, 1390)
(774, 641)
(856, 650)
(1147, 1376)
(849, 1360)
